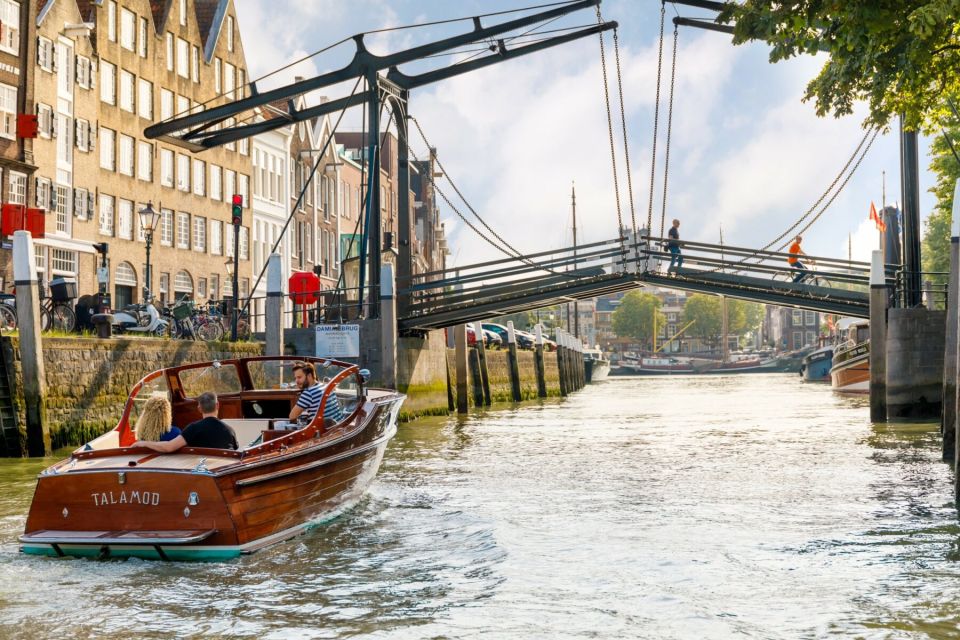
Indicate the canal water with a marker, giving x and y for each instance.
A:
(704, 507)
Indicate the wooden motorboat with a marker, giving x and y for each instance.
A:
(595, 366)
(112, 499)
(850, 372)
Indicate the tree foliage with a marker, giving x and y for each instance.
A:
(936, 236)
(705, 313)
(900, 56)
(634, 317)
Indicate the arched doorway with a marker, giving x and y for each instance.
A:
(125, 285)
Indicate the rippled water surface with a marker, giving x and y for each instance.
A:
(705, 507)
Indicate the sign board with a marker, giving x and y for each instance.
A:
(338, 340)
(103, 275)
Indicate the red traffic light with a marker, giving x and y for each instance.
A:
(237, 200)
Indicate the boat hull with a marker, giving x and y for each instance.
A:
(596, 370)
(201, 515)
(816, 366)
(851, 370)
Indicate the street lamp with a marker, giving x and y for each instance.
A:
(148, 222)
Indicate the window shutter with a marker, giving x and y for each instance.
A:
(78, 134)
(78, 71)
(37, 191)
(39, 51)
(53, 56)
(90, 203)
(92, 74)
(76, 203)
(53, 124)
(91, 137)
(53, 197)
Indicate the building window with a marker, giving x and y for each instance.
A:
(106, 215)
(112, 21)
(166, 167)
(108, 82)
(142, 38)
(217, 76)
(244, 243)
(18, 188)
(230, 33)
(62, 208)
(108, 159)
(83, 135)
(811, 318)
(44, 120)
(229, 79)
(145, 98)
(183, 106)
(199, 177)
(145, 161)
(216, 191)
(229, 245)
(169, 47)
(216, 237)
(45, 58)
(10, 26)
(202, 288)
(84, 72)
(183, 58)
(81, 203)
(229, 184)
(241, 84)
(126, 155)
(8, 111)
(797, 318)
(43, 193)
(199, 234)
(182, 284)
(183, 13)
(125, 219)
(127, 83)
(183, 172)
(166, 104)
(244, 188)
(183, 230)
(164, 287)
(195, 63)
(128, 26)
(63, 262)
(811, 338)
(797, 339)
(166, 227)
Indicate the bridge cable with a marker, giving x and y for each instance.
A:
(666, 156)
(656, 122)
(623, 122)
(613, 148)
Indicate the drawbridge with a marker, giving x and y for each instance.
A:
(498, 287)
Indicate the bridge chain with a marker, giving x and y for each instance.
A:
(666, 157)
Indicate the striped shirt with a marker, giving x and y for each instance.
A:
(309, 401)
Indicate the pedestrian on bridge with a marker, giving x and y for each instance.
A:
(794, 260)
(673, 245)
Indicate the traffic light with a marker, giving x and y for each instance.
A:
(237, 209)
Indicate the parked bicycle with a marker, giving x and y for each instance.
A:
(56, 310)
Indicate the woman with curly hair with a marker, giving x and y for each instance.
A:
(154, 423)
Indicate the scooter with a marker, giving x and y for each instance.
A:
(144, 319)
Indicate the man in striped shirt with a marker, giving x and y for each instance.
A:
(311, 392)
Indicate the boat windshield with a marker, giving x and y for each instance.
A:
(278, 374)
(218, 377)
(152, 387)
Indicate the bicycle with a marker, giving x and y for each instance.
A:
(55, 312)
(810, 277)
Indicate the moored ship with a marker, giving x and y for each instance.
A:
(850, 372)
(110, 498)
(816, 365)
(595, 366)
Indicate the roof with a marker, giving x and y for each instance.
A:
(206, 14)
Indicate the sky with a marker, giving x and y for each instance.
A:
(747, 156)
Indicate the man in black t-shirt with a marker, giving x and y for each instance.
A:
(673, 245)
(209, 431)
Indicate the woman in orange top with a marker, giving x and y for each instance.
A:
(794, 260)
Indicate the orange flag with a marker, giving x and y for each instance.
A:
(881, 225)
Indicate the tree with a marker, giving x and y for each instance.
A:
(743, 317)
(936, 236)
(634, 317)
(901, 56)
(705, 313)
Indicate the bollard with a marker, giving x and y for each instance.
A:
(274, 309)
(476, 378)
(451, 400)
(31, 345)
(460, 342)
(948, 422)
(388, 327)
(103, 323)
(539, 364)
(484, 372)
(514, 362)
(878, 338)
(561, 367)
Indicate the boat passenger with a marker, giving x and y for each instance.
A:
(209, 431)
(155, 422)
(311, 392)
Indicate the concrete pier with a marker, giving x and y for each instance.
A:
(539, 364)
(274, 310)
(484, 372)
(514, 363)
(948, 423)
(388, 327)
(915, 344)
(879, 299)
(460, 348)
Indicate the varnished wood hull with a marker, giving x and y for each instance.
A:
(851, 374)
(210, 515)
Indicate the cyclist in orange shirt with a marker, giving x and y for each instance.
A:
(794, 260)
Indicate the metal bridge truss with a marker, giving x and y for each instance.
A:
(481, 291)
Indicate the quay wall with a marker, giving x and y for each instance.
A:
(89, 379)
(498, 374)
(915, 359)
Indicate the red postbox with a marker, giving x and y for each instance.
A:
(304, 288)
